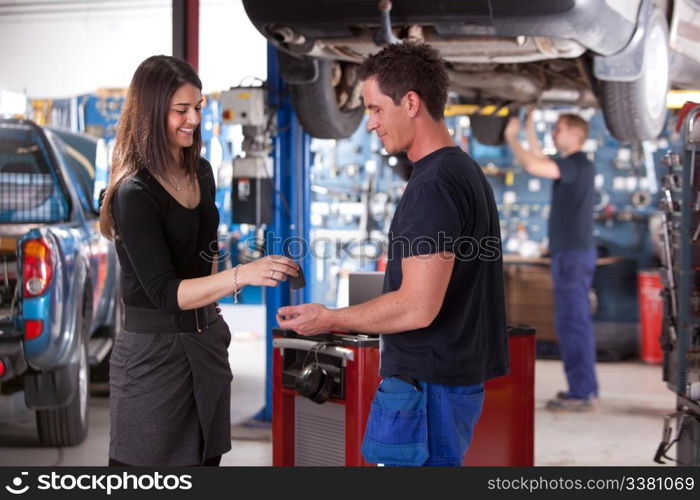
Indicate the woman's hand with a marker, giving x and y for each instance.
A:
(268, 271)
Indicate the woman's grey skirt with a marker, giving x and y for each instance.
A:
(170, 397)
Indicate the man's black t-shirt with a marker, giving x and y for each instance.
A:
(448, 205)
(573, 197)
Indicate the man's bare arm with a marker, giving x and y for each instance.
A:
(540, 166)
(531, 135)
(414, 305)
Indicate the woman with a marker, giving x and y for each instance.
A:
(169, 372)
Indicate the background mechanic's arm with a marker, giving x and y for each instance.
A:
(533, 160)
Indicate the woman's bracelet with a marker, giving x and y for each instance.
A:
(236, 291)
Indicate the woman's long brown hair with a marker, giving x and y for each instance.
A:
(142, 130)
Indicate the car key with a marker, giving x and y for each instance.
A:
(296, 282)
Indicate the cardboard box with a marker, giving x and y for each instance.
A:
(530, 298)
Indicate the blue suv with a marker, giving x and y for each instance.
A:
(60, 307)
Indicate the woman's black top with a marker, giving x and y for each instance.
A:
(159, 241)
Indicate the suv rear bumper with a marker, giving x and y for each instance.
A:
(43, 390)
(11, 351)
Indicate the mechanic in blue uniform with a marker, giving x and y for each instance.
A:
(442, 314)
(572, 249)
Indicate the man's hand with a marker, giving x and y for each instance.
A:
(528, 116)
(304, 319)
(512, 129)
(531, 134)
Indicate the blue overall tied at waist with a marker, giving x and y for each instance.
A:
(416, 423)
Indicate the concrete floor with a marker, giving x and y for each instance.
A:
(625, 430)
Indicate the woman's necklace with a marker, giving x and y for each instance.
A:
(178, 185)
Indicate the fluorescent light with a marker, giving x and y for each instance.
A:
(12, 103)
(675, 99)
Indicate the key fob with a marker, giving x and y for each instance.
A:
(297, 282)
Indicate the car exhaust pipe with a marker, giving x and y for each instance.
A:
(385, 36)
(286, 35)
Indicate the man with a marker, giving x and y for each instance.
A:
(572, 249)
(442, 314)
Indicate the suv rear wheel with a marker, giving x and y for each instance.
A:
(330, 107)
(100, 372)
(68, 425)
(636, 111)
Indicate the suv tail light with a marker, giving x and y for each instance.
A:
(37, 267)
(33, 328)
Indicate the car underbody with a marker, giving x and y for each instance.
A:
(619, 55)
(523, 69)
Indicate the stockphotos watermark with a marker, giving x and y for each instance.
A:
(365, 250)
(108, 483)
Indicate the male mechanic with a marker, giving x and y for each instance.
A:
(572, 248)
(442, 314)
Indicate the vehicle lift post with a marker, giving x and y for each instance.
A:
(289, 231)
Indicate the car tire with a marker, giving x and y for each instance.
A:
(488, 129)
(636, 111)
(329, 107)
(68, 425)
(100, 372)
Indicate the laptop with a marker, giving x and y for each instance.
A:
(364, 285)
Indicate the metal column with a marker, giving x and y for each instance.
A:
(186, 31)
(290, 230)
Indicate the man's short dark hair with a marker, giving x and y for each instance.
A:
(400, 68)
(575, 121)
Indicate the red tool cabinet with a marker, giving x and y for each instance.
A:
(505, 433)
(305, 433)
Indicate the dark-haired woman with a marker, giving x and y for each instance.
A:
(169, 372)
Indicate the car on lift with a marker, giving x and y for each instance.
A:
(59, 277)
(620, 55)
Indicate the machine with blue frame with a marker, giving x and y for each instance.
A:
(280, 150)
